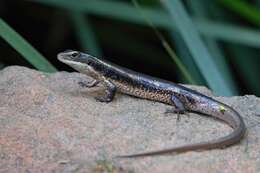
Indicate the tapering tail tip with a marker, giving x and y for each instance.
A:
(151, 153)
(130, 156)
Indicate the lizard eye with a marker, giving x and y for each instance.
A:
(75, 54)
(89, 62)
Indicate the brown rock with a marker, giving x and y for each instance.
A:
(48, 123)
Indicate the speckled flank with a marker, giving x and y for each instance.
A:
(144, 92)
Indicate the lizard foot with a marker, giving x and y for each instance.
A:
(175, 111)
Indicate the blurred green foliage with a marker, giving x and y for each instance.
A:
(24, 48)
(213, 43)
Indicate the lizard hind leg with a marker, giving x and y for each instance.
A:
(178, 107)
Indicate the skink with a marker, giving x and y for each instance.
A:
(182, 99)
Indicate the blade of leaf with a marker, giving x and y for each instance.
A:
(186, 59)
(166, 46)
(197, 48)
(228, 32)
(200, 11)
(218, 30)
(24, 48)
(243, 8)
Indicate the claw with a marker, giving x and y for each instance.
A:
(175, 111)
(103, 99)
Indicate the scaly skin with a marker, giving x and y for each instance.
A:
(116, 78)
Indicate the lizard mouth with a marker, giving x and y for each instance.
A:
(66, 59)
(61, 58)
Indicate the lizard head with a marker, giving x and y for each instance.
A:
(79, 61)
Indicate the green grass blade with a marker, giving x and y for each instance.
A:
(166, 46)
(201, 56)
(85, 33)
(223, 65)
(243, 8)
(186, 59)
(228, 32)
(24, 48)
(200, 11)
(110, 9)
(105, 8)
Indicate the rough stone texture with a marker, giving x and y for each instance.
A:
(48, 123)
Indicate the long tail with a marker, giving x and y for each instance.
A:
(222, 112)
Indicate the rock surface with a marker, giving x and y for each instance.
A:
(48, 123)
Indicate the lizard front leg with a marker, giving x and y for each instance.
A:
(109, 92)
